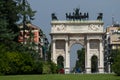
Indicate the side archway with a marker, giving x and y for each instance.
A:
(60, 62)
(94, 64)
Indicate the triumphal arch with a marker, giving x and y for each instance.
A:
(88, 33)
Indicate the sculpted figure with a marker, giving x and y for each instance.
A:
(100, 16)
(77, 15)
(54, 16)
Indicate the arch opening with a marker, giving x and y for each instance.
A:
(60, 62)
(77, 58)
(94, 64)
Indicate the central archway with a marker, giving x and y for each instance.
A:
(75, 65)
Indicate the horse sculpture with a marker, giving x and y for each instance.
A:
(54, 16)
(76, 15)
(100, 16)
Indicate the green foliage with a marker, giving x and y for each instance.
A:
(60, 61)
(116, 63)
(25, 11)
(15, 62)
(113, 55)
(81, 59)
(49, 68)
(94, 63)
(53, 67)
(8, 12)
(4, 65)
(38, 67)
(46, 68)
(16, 58)
(5, 33)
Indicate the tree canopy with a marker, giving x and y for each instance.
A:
(17, 58)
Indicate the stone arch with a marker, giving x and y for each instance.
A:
(72, 42)
(87, 33)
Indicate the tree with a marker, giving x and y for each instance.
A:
(25, 13)
(81, 60)
(8, 12)
(116, 63)
(6, 32)
(4, 67)
(8, 26)
(16, 58)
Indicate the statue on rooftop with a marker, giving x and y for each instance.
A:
(77, 15)
(100, 16)
(54, 17)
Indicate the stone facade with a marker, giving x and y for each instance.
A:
(88, 33)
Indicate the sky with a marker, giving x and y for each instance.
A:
(44, 8)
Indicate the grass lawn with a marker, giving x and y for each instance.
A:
(62, 77)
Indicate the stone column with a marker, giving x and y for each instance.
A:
(67, 59)
(88, 60)
(101, 59)
(54, 52)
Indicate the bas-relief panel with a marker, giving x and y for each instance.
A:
(89, 28)
(95, 28)
(58, 28)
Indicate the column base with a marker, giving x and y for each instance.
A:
(88, 70)
(67, 70)
(101, 69)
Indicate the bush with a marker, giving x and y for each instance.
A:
(38, 67)
(4, 64)
(13, 62)
(46, 68)
(116, 65)
(53, 67)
